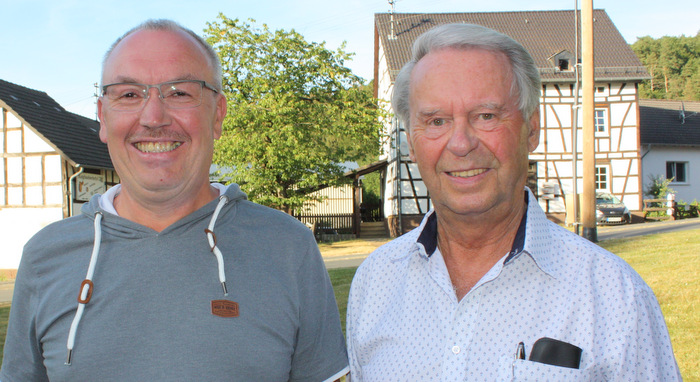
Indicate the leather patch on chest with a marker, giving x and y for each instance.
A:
(224, 308)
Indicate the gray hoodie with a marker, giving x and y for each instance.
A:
(150, 313)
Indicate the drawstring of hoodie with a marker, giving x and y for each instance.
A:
(223, 199)
(87, 286)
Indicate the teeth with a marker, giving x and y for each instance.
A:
(467, 174)
(157, 147)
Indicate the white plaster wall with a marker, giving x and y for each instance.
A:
(654, 163)
(19, 225)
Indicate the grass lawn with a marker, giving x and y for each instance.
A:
(669, 263)
(4, 315)
(341, 278)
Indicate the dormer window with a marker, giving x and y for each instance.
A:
(563, 64)
(563, 61)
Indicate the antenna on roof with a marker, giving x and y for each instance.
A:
(392, 35)
(682, 113)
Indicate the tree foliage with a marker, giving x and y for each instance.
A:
(674, 65)
(658, 187)
(295, 113)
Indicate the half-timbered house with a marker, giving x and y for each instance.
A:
(52, 162)
(551, 37)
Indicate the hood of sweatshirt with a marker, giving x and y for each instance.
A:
(124, 228)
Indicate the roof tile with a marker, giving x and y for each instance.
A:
(542, 33)
(669, 122)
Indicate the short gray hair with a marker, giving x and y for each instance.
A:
(172, 26)
(469, 36)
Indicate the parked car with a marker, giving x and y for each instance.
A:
(610, 210)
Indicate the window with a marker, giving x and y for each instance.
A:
(677, 171)
(563, 64)
(601, 121)
(602, 181)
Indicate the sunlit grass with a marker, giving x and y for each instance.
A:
(4, 316)
(670, 264)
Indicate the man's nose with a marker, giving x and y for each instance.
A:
(154, 112)
(463, 137)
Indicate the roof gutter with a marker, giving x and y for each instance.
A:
(70, 189)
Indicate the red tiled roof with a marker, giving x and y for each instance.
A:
(542, 33)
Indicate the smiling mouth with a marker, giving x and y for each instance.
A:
(467, 174)
(156, 147)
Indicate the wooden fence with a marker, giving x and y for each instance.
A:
(328, 227)
(657, 209)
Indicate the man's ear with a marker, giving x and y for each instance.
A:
(103, 128)
(411, 153)
(221, 107)
(533, 135)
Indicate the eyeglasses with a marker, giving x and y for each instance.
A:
(184, 94)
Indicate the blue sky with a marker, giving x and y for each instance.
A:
(57, 46)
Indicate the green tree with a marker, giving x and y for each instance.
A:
(296, 113)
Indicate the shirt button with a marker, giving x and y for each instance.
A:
(455, 349)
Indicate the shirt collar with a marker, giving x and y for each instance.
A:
(533, 237)
(428, 236)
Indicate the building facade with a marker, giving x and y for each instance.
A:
(52, 162)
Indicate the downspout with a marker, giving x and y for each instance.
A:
(398, 175)
(70, 189)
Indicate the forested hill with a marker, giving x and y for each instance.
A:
(673, 63)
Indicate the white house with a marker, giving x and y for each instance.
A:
(51, 162)
(670, 139)
(550, 37)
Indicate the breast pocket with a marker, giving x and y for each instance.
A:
(529, 371)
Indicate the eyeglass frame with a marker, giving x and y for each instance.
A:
(203, 83)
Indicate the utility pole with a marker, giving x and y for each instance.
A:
(590, 231)
(574, 125)
(96, 95)
(392, 35)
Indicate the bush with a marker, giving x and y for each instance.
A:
(658, 188)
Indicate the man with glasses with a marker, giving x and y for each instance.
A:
(175, 278)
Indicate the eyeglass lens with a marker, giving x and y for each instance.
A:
(175, 95)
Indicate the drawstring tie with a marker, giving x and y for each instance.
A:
(87, 286)
(223, 199)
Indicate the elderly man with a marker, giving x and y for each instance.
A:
(468, 294)
(186, 281)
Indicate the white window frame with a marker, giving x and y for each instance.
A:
(598, 177)
(600, 122)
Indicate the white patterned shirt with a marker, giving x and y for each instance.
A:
(405, 323)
